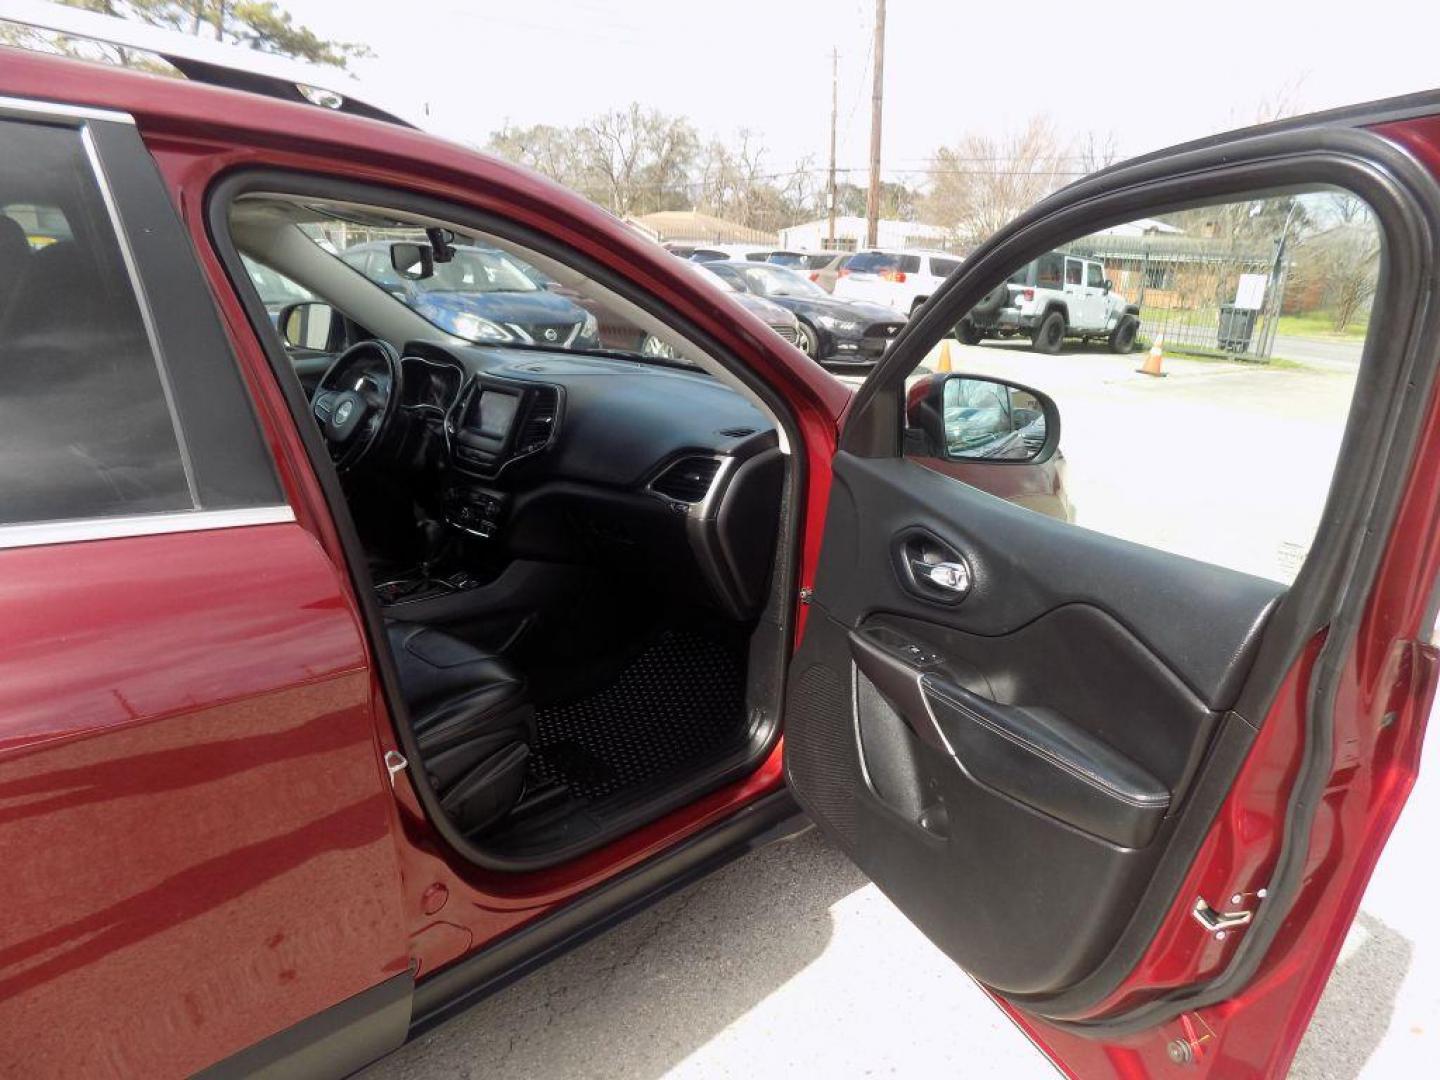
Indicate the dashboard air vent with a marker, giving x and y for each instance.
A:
(687, 480)
(539, 421)
(737, 432)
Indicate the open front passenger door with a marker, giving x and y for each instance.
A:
(1137, 795)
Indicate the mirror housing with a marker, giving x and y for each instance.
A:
(310, 325)
(976, 418)
(413, 262)
(1109, 285)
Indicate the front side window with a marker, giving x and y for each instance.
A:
(1221, 446)
(85, 426)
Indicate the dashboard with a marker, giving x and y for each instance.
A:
(577, 458)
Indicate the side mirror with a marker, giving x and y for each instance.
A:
(1109, 285)
(413, 262)
(310, 325)
(975, 418)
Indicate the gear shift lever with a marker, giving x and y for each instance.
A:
(432, 546)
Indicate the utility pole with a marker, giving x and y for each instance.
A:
(877, 99)
(834, 109)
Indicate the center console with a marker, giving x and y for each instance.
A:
(494, 423)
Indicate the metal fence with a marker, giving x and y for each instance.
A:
(1206, 295)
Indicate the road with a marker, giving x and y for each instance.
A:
(789, 962)
(1321, 352)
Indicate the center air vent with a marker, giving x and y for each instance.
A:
(737, 432)
(539, 421)
(687, 480)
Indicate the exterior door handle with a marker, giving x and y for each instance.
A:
(951, 576)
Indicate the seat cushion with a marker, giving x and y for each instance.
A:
(452, 688)
(471, 718)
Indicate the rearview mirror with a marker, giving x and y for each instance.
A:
(975, 418)
(310, 325)
(414, 262)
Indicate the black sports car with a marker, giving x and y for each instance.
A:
(833, 331)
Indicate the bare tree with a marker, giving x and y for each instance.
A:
(550, 151)
(1096, 151)
(981, 182)
(635, 160)
(1340, 259)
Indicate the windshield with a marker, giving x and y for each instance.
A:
(475, 271)
(771, 280)
(712, 277)
(787, 258)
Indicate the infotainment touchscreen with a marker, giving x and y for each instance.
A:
(494, 413)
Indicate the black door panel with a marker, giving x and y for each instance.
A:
(1027, 737)
(1024, 564)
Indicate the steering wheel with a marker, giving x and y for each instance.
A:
(355, 402)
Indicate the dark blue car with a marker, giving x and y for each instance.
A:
(482, 295)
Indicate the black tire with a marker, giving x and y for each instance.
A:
(808, 340)
(1122, 338)
(1049, 335)
(968, 332)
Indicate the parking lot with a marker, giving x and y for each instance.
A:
(790, 962)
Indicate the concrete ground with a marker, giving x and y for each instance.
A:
(789, 962)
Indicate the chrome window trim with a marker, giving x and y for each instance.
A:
(44, 533)
(142, 301)
(29, 109)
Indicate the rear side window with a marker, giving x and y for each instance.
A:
(880, 262)
(86, 428)
(1050, 271)
(944, 267)
(1073, 270)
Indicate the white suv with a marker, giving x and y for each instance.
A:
(902, 280)
(1055, 297)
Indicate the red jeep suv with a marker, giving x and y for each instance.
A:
(352, 665)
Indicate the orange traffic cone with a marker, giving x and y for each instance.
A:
(1153, 361)
(943, 364)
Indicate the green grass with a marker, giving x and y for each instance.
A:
(1215, 356)
(1317, 324)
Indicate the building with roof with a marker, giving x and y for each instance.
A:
(850, 235)
(694, 227)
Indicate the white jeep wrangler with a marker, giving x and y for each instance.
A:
(1055, 297)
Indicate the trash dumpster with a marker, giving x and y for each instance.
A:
(1237, 325)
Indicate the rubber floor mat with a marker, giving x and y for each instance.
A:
(680, 703)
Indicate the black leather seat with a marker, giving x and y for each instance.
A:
(471, 718)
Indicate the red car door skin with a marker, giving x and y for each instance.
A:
(198, 829)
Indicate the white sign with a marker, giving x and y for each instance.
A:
(1250, 293)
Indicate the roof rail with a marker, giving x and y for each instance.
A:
(203, 60)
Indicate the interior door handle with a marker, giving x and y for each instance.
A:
(952, 576)
(931, 568)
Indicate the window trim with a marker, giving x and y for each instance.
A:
(79, 530)
(142, 301)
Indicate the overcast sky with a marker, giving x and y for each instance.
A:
(1154, 73)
